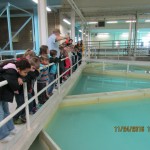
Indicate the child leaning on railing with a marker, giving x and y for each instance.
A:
(10, 72)
(43, 78)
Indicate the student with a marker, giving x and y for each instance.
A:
(52, 72)
(20, 117)
(61, 63)
(43, 78)
(30, 79)
(67, 64)
(10, 72)
(27, 55)
(44, 50)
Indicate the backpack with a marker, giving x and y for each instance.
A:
(7, 62)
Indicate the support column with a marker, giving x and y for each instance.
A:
(135, 34)
(82, 35)
(9, 27)
(36, 31)
(42, 17)
(89, 43)
(73, 25)
(130, 38)
(79, 35)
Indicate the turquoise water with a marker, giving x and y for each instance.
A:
(91, 127)
(89, 83)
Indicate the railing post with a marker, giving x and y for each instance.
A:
(27, 106)
(89, 55)
(58, 74)
(103, 66)
(128, 67)
(35, 91)
(71, 68)
(118, 53)
(77, 62)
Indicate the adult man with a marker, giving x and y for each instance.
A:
(53, 41)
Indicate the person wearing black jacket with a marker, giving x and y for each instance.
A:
(20, 118)
(10, 72)
(61, 63)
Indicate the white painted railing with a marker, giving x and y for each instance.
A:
(28, 101)
(121, 62)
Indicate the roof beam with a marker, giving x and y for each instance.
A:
(77, 10)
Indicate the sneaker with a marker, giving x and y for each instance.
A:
(65, 78)
(50, 94)
(13, 132)
(31, 113)
(18, 121)
(23, 119)
(34, 110)
(6, 139)
(56, 87)
(55, 90)
(39, 105)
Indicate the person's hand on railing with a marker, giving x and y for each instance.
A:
(20, 81)
(16, 92)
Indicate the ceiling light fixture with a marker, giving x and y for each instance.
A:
(36, 1)
(103, 33)
(128, 21)
(80, 30)
(66, 21)
(112, 22)
(92, 22)
(48, 9)
(147, 20)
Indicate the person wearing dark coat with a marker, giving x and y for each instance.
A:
(10, 72)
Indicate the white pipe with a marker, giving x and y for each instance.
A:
(77, 10)
(27, 106)
(58, 76)
(3, 83)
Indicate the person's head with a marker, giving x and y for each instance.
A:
(44, 59)
(61, 47)
(70, 41)
(29, 54)
(23, 67)
(53, 53)
(56, 32)
(43, 50)
(78, 43)
(35, 63)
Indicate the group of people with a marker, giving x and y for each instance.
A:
(29, 68)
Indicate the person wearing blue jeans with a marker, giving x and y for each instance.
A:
(51, 79)
(9, 126)
(10, 72)
(19, 118)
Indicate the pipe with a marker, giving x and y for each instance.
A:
(76, 9)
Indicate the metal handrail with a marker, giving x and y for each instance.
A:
(121, 44)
